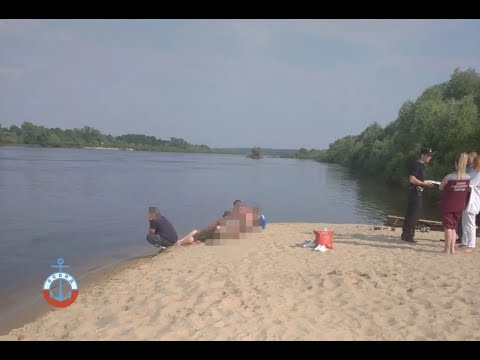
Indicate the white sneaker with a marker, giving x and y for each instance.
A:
(321, 248)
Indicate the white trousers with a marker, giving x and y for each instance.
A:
(469, 229)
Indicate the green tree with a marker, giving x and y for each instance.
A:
(445, 117)
(462, 83)
(256, 153)
(54, 140)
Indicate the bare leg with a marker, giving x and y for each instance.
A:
(450, 238)
(447, 242)
(454, 240)
(187, 240)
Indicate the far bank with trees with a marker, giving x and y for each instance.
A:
(446, 118)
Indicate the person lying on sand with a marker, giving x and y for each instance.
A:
(233, 224)
(209, 232)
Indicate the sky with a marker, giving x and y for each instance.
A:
(226, 83)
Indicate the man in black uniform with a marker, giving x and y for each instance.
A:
(415, 193)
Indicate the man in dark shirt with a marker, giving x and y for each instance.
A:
(415, 193)
(161, 233)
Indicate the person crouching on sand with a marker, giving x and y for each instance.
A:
(161, 233)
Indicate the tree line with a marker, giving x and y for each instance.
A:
(34, 135)
(445, 117)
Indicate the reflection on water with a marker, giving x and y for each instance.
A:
(375, 199)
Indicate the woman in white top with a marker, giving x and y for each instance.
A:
(472, 209)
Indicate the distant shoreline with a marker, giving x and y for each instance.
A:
(124, 149)
(270, 153)
(106, 148)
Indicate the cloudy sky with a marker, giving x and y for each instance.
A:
(226, 83)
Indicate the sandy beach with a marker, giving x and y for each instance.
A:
(371, 286)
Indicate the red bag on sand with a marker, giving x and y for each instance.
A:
(324, 237)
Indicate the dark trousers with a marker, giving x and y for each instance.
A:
(205, 234)
(411, 215)
(158, 241)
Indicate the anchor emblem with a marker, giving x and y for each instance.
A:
(60, 300)
(60, 296)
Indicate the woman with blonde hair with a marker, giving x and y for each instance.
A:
(455, 187)
(472, 209)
